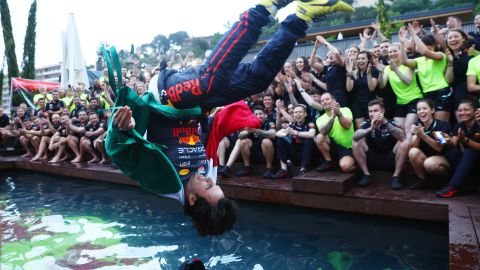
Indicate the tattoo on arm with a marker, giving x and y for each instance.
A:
(396, 132)
(327, 127)
(361, 133)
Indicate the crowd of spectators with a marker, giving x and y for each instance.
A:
(384, 108)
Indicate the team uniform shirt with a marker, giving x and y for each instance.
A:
(67, 100)
(380, 138)
(405, 93)
(95, 127)
(474, 67)
(39, 110)
(431, 73)
(271, 116)
(266, 126)
(4, 121)
(472, 133)
(185, 149)
(336, 82)
(37, 127)
(62, 130)
(459, 84)
(23, 118)
(55, 106)
(361, 92)
(436, 125)
(74, 112)
(305, 126)
(341, 136)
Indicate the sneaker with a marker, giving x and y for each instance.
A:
(364, 181)
(325, 166)
(448, 192)
(421, 184)
(301, 173)
(274, 5)
(280, 174)
(268, 174)
(396, 184)
(311, 10)
(224, 171)
(244, 171)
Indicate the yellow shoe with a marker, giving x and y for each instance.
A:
(310, 10)
(274, 5)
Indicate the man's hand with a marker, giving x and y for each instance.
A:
(123, 118)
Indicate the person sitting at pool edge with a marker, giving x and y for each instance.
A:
(379, 144)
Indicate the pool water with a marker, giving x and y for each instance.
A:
(53, 222)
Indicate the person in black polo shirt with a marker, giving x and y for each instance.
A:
(74, 137)
(90, 132)
(379, 144)
(255, 144)
(41, 107)
(295, 143)
(58, 143)
(77, 107)
(430, 137)
(25, 137)
(50, 128)
(56, 105)
(466, 133)
(362, 81)
(335, 73)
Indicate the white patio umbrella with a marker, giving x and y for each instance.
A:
(73, 66)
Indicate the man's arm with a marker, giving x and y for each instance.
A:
(310, 134)
(325, 129)
(95, 133)
(75, 129)
(361, 133)
(472, 85)
(396, 132)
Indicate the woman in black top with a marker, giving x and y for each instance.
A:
(457, 65)
(466, 133)
(335, 73)
(362, 79)
(429, 140)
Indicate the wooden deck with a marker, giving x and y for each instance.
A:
(333, 191)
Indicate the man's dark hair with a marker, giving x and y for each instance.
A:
(267, 95)
(429, 40)
(378, 102)
(258, 108)
(212, 219)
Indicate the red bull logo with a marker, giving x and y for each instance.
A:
(190, 140)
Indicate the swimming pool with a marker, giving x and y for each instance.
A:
(52, 222)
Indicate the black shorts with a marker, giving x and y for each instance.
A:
(402, 110)
(256, 153)
(380, 160)
(442, 99)
(339, 151)
(359, 109)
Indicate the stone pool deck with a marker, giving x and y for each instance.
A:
(332, 190)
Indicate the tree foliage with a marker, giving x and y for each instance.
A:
(160, 43)
(29, 44)
(199, 46)
(178, 37)
(382, 18)
(8, 39)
